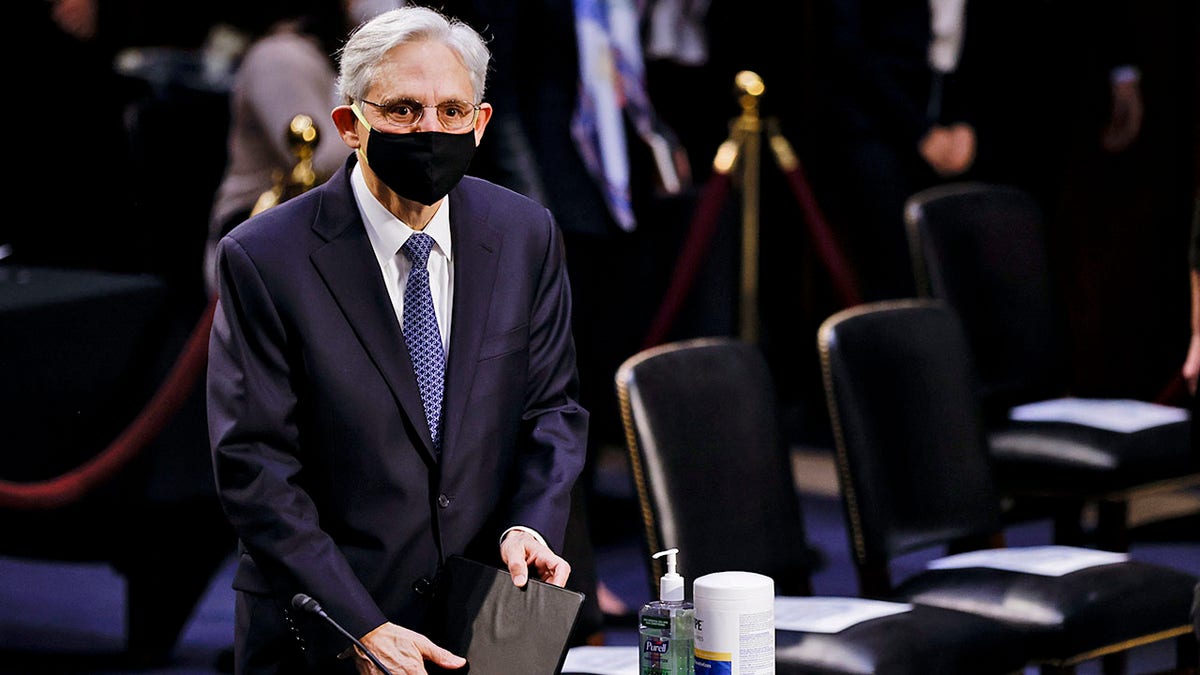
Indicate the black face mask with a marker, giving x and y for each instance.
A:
(422, 166)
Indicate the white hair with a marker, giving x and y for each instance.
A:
(371, 41)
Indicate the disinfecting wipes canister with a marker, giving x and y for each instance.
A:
(735, 624)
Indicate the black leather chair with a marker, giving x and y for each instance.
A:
(915, 476)
(714, 480)
(980, 248)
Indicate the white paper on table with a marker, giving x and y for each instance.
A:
(1049, 561)
(1124, 415)
(830, 614)
(602, 660)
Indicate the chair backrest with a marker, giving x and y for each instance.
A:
(911, 455)
(980, 248)
(712, 475)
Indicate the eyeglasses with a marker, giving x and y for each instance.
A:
(453, 115)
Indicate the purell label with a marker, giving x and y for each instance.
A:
(656, 645)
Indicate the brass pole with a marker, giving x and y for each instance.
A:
(748, 127)
(302, 137)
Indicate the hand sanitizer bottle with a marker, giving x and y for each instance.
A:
(666, 626)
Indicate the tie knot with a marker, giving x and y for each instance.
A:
(417, 249)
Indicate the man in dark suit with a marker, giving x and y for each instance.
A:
(341, 480)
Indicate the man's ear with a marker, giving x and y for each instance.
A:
(481, 120)
(347, 126)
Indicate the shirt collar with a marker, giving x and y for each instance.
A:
(387, 232)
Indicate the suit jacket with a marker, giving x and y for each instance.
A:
(322, 455)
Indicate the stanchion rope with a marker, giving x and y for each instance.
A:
(167, 400)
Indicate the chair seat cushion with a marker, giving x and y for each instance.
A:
(1039, 455)
(924, 641)
(1067, 615)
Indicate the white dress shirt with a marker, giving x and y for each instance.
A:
(388, 234)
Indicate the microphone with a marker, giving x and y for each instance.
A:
(309, 604)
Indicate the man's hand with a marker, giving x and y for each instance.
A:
(1191, 365)
(949, 150)
(521, 551)
(403, 651)
(76, 17)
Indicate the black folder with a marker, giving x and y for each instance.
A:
(499, 628)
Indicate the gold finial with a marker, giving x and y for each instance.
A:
(750, 88)
(749, 82)
(303, 132)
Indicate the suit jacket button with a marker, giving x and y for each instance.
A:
(423, 586)
(443, 501)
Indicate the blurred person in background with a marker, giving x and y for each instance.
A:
(289, 68)
(897, 123)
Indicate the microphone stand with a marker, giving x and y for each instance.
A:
(306, 603)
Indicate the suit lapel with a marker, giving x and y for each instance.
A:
(347, 265)
(476, 259)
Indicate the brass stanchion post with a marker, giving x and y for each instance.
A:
(302, 138)
(742, 151)
(748, 129)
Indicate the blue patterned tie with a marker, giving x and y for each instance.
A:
(421, 334)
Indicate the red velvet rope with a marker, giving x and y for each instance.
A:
(828, 251)
(695, 247)
(172, 392)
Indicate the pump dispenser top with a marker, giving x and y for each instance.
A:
(665, 626)
(670, 586)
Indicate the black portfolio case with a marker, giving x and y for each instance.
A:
(499, 628)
